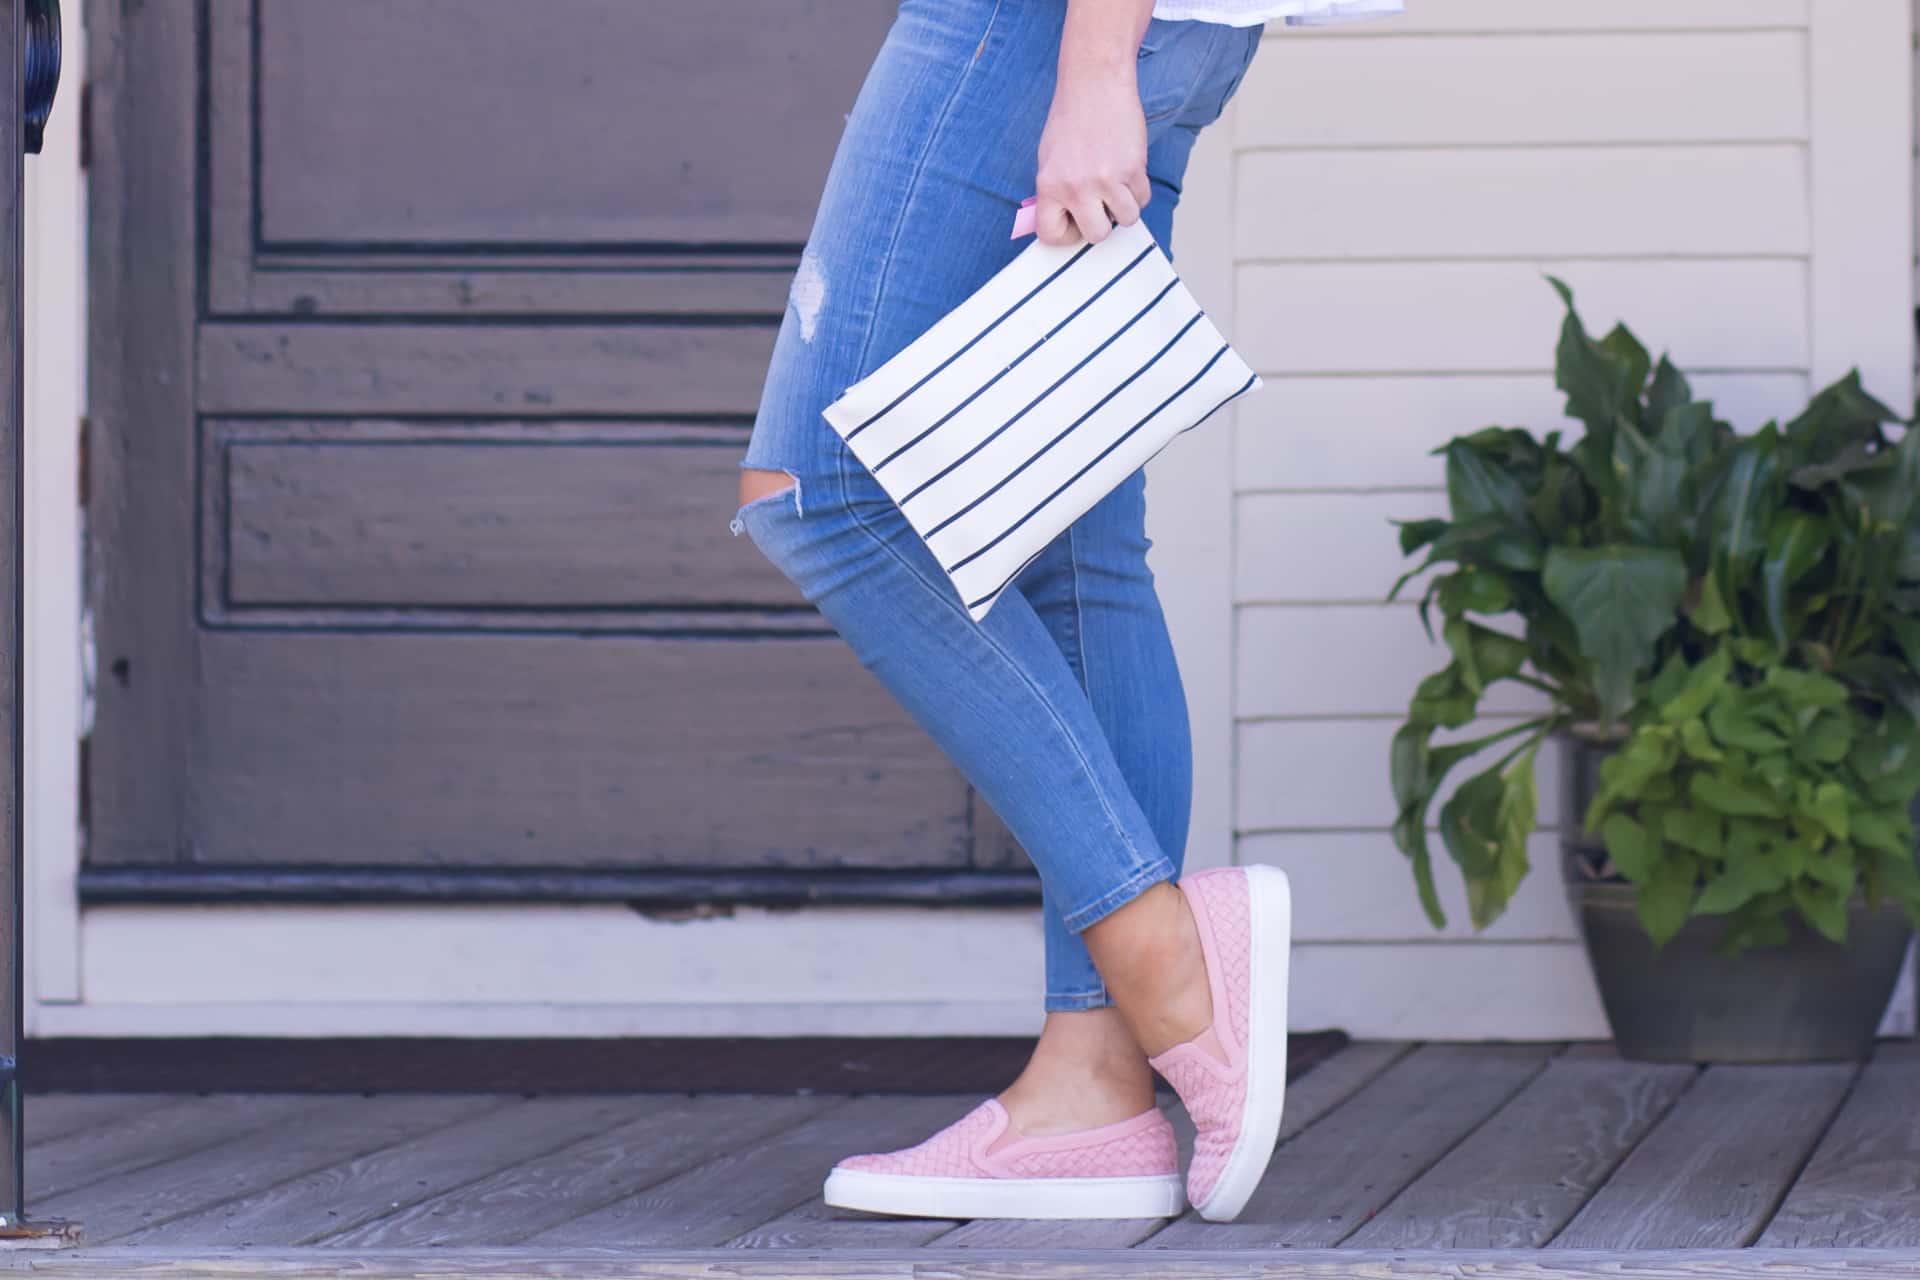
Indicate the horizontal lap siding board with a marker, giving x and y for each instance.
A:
(1389, 246)
(1356, 432)
(1482, 17)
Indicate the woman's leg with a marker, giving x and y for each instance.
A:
(937, 154)
(911, 224)
(1093, 589)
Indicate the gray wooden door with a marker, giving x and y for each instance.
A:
(425, 341)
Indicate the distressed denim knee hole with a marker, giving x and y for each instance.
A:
(790, 489)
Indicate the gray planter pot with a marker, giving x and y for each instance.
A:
(1806, 1001)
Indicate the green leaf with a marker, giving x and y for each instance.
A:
(1882, 834)
(1634, 363)
(1698, 743)
(1621, 600)
(1829, 809)
(1827, 740)
(1703, 685)
(1479, 487)
(1734, 723)
(1599, 385)
(1469, 824)
(1666, 900)
(1890, 494)
(1733, 888)
(1444, 699)
(1823, 907)
(1710, 612)
(1626, 774)
(1417, 768)
(1632, 852)
(1654, 475)
(1668, 392)
(1697, 829)
(1513, 823)
(1794, 545)
(1475, 590)
(1806, 690)
(1839, 415)
(1734, 797)
(1460, 644)
(1746, 499)
(1415, 534)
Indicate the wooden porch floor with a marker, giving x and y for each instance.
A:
(1530, 1160)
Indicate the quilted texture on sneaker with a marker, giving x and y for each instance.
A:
(950, 1153)
(1209, 1072)
(982, 1144)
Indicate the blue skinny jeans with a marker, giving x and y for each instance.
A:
(1064, 708)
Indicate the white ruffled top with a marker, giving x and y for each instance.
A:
(1295, 13)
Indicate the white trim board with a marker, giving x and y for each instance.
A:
(55, 374)
(606, 971)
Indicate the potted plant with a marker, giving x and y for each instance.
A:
(1724, 632)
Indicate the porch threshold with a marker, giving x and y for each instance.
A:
(587, 1263)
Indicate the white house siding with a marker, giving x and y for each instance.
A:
(1731, 176)
(1695, 167)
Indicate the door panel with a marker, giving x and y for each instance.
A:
(665, 121)
(412, 473)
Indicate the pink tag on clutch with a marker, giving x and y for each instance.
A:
(1025, 221)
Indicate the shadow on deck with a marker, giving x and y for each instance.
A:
(1454, 1160)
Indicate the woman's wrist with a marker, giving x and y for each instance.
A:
(1100, 39)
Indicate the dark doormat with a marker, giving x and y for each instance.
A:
(820, 1064)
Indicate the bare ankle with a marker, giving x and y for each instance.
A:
(1086, 1071)
(1149, 954)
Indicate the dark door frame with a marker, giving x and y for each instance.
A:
(12, 458)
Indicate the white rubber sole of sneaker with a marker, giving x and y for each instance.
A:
(1270, 921)
(927, 1197)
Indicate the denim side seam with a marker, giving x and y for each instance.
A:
(1079, 620)
(1142, 880)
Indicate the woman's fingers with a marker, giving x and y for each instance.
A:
(1140, 187)
(1090, 212)
(1052, 224)
(1090, 215)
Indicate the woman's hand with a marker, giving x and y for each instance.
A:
(1093, 152)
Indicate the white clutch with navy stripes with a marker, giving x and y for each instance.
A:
(1002, 424)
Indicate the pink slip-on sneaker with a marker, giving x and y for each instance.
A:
(1233, 1076)
(980, 1167)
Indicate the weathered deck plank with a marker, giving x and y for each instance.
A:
(1325, 1184)
(313, 1138)
(1524, 1173)
(1313, 1095)
(62, 1115)
(353, 1192)
(1861, 1188)
(1711, 1172)
(1397, 1164)
(656, 1137)
(152, 1136)
(914, 1264)
(734, 1192)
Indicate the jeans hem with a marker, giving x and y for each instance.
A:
(1137, 884)
(1075, 1001)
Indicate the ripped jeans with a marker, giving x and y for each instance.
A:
(1064, 708)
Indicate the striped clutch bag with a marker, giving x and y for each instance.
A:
(1030, 401)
